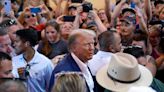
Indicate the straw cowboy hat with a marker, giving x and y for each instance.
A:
(122, 73)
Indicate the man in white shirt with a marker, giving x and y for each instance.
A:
(29, 64)
(109, 42)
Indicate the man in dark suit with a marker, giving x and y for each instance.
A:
(81, 46)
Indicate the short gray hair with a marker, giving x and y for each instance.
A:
(18, 85)
(3, 31)
(78, 33)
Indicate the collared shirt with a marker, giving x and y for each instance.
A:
(39, 73)
(98, 60)
(84, 69)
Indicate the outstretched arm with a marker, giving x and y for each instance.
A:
(148, 9)
(142, 23)
(108, 10)
(76, 22)
(58, 10)
(100, 25)
(117, 11)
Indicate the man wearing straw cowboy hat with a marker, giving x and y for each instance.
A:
(109, 43)
(123, 72)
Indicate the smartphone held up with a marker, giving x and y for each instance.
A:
(68, 18)
(76, 1)
(35, 10)
(7, 7)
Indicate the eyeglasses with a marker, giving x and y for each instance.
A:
(101, 13)
(29, 16)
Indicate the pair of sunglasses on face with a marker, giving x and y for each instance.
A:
(29, 16)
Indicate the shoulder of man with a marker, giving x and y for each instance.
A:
(157, 85)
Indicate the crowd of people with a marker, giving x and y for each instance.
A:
(76, 47)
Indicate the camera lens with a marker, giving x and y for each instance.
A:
(5, 3)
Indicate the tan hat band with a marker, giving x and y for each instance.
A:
(121, 81)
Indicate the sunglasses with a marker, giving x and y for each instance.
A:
(29, 16)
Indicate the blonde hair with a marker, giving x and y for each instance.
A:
(69, 82)
(21, 18)
(154, 28)
(28, 3)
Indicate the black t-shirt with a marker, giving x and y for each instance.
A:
(58, 48)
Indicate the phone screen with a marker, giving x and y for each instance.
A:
(7, 6)
(68, 18)
(76, 1)
(35, 10)
(132, 5)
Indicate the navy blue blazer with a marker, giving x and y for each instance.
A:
(67, 64)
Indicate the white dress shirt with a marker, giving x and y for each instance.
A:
(98, 60)
(84, 69)
(39, 73)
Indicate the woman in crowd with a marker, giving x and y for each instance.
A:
(28, 19)
(66, 28)
(52, 45)
(103, 17)
(154, 37)
(141, 39)
(69, 82)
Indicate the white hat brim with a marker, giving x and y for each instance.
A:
(105, 81)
